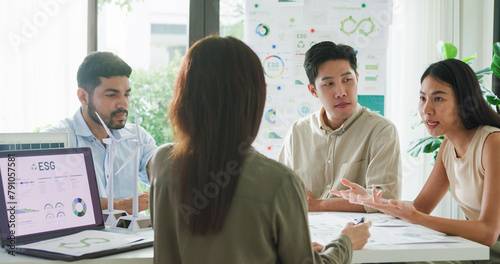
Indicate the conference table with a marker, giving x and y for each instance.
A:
(392, 240)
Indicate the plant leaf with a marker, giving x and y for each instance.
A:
(415, 147)
(495, 64)
(447, 50)
(470, 58)
(480, 74)
(496, 69)
(432, 144)
(493, 99)
(496, 48)
(424, 145)
(434, 158)
(489, 95)
(416, 124)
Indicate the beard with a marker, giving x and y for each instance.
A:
(107, 120)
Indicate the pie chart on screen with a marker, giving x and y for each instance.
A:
(79, 207)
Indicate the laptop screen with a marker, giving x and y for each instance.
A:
(47, 193)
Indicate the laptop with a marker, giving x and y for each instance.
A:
(48, 194)
(33, 140)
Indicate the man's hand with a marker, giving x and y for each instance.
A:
(356, 193)
(127, 203)
(330, 204)
(358, 234)
(314, 205)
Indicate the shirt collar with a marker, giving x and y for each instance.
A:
(347, 123)
(81, 127)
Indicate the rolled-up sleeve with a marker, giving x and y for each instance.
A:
(384, 169)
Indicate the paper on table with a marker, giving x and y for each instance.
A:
(328, 219)
(84, 242)
(386, 230)
(414, 234)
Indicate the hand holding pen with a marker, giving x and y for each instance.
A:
(358, 221)
(358, 232)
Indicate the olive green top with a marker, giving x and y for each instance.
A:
(267, 221)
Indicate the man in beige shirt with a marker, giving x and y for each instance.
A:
(343, 139)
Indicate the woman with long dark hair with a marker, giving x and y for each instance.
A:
(468, 162)
(213, 198)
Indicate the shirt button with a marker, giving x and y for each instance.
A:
(329, 161)
(107, 176)
(331, 136)
(328, 186)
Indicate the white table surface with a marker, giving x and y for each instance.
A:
(463, 250)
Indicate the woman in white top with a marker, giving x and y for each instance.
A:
(468, 162)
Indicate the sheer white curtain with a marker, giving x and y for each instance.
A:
(417, 27)
(43, 42)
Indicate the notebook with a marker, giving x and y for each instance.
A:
(51, 195)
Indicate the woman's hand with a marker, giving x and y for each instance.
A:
(399, 209)
(358, 234)
(356, 193)
(317, 247)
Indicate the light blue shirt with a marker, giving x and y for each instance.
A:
(123, 183)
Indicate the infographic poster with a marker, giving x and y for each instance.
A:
(281, 31)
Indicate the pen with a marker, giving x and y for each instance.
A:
(358, 221)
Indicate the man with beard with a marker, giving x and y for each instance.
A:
(343, 140)
(104, 88)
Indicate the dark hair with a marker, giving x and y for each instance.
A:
(473, 108)
(216, 110)
(100, 64)
(325, 51)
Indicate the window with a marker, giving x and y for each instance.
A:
(232, 15)
(146, 34)
(152, 37)
(44, 42)
(166, 40)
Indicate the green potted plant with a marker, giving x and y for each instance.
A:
(447, 51)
